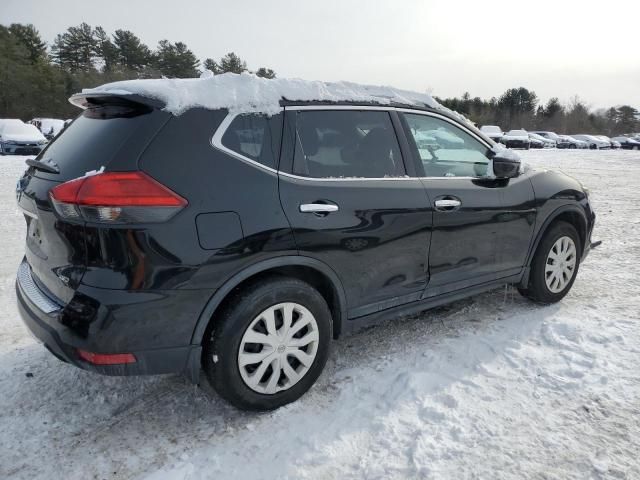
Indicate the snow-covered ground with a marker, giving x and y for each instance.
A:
(490, 387)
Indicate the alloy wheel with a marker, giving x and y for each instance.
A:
(278, 348)
(561, 264)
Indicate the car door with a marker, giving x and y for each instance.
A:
(345, 191)
(482, 226)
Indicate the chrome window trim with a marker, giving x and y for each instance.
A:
(216, 141)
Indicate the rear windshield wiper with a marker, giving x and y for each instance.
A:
(48, 167)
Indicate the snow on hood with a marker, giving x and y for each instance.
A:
(249, 93)
(23, 134)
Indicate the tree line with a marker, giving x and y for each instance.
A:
(36, 79)
(520, 108)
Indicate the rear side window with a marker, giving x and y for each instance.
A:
(346, 143)
(255, 137)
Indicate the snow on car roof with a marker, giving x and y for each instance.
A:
(248, 93)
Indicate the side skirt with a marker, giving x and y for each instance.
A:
(355, 324)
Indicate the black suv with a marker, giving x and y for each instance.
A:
(241, 244)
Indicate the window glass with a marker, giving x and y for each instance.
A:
(346, 143)
(252, 136)
(446, 150)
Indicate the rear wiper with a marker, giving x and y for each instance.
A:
(48, 167)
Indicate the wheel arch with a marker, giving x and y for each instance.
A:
(307, 269)
(571, 214)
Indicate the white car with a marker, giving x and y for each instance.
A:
(567, 141)
(50, 127)
(494, 132)
(19, 138)
(516, 139)
(549, 135)
(546, 142)
(594, 142)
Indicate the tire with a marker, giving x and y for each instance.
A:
(246, 318)
(542, 290)
(572, 146)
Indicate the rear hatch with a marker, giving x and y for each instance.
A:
(110, 134)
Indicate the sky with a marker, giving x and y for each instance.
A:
(556, 48)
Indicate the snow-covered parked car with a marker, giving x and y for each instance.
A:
(553, 136)
(627, 143)
(19, 138)
(494, 132)
(50, 127)
(516, 139)
(535, 141)
(593, 141)
(567, 141)
(541, 142)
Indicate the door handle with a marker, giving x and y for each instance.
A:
(448, 204)
(318, 208)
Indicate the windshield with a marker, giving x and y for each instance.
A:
(517, 133)
(490, 129)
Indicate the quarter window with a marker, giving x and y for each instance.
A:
(346, 144)
(255, 137)
(446, 150)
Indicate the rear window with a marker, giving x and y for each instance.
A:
(93, 139)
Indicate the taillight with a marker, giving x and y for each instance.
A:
(116, 197)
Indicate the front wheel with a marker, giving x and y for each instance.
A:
(555, 265)
(269, 345)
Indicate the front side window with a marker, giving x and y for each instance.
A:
(346, 144)
(446, 150)
(253, 137)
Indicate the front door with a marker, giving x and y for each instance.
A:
(481, 226)
(344, 189)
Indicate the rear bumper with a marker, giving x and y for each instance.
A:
(58, 329)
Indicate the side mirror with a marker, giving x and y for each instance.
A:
(506, 163)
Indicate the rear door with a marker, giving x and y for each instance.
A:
(351, 204)
(482, 226)
(105, 136)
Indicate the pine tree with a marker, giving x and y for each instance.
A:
(232, 63)
(76, 49)
(212, 65)
(131, 52)
(105, 50)
(265, 73)
(29, 38)
(175, 60)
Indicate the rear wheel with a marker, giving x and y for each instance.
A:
(269, 345)
(555, 264)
